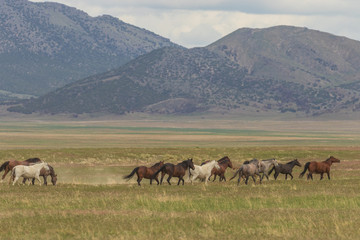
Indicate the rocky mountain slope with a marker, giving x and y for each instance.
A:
(278, 69)
(44, 46)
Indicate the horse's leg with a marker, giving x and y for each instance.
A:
(179, 181)
(321, 176)
(45, 180)
(286, 176)
(259, 177)
(162, 177)
(214, 177)
(168, 179)
(276, 175)
(138, 181)
(183, 181)
(15, 180)
(38, 178)
(207, 179)
(328, 174)
(246, 180)
(255, 179)
(6, 172)
(12, 177)
(223, 177)
(33, 181)
(157, 180)
(240, 176)
(291, 176)
(310, 176)
(267, 177)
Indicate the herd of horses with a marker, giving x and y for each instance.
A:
(33, 168)
(248, 169)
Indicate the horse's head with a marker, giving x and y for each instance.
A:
(230, 164)
(190, 163)
(54, 179)
(297, 163)
(333, 159)
(275, 162)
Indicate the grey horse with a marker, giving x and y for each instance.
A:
(248, 169)
(265, 165)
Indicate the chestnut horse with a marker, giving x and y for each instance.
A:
(224, 163)
(172, 170)
(145, 172)
(319, 168)
(9, 165)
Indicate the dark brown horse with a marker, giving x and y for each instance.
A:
(44, 173)
(285, 169)
(172, 170)
(9, 165)
(145, 172)
(224, 163)
(319, 167)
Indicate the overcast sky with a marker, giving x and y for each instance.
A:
(197, 23)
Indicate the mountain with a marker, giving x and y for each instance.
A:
(278, 69)
(44, 46)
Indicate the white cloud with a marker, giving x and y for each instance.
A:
(198, 23)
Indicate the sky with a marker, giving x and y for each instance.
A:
(197, 23)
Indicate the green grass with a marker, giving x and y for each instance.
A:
(92, 201)
(275, 209)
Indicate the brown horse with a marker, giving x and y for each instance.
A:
(9, 165)
(172, 170)
(319, 168)
(224, 163)
(44, 173)
(145, 172)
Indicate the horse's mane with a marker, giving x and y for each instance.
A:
(51, 169)
(291, 161)
(157, 164)
(207, 162)
(223, 159)
(33, 160)
(203, 163)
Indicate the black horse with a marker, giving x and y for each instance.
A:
(172, 170)
(285, 169)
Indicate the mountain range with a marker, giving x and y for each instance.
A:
(44, 46)
(277, 69)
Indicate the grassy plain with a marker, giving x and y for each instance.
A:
(91, 201)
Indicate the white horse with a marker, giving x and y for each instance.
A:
(203, 172)
(32, 171)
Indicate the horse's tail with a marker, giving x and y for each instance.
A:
(3, 166)
(157, 172)
(305, 168)
(236, 173)
(131, 174)
(271, 170)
